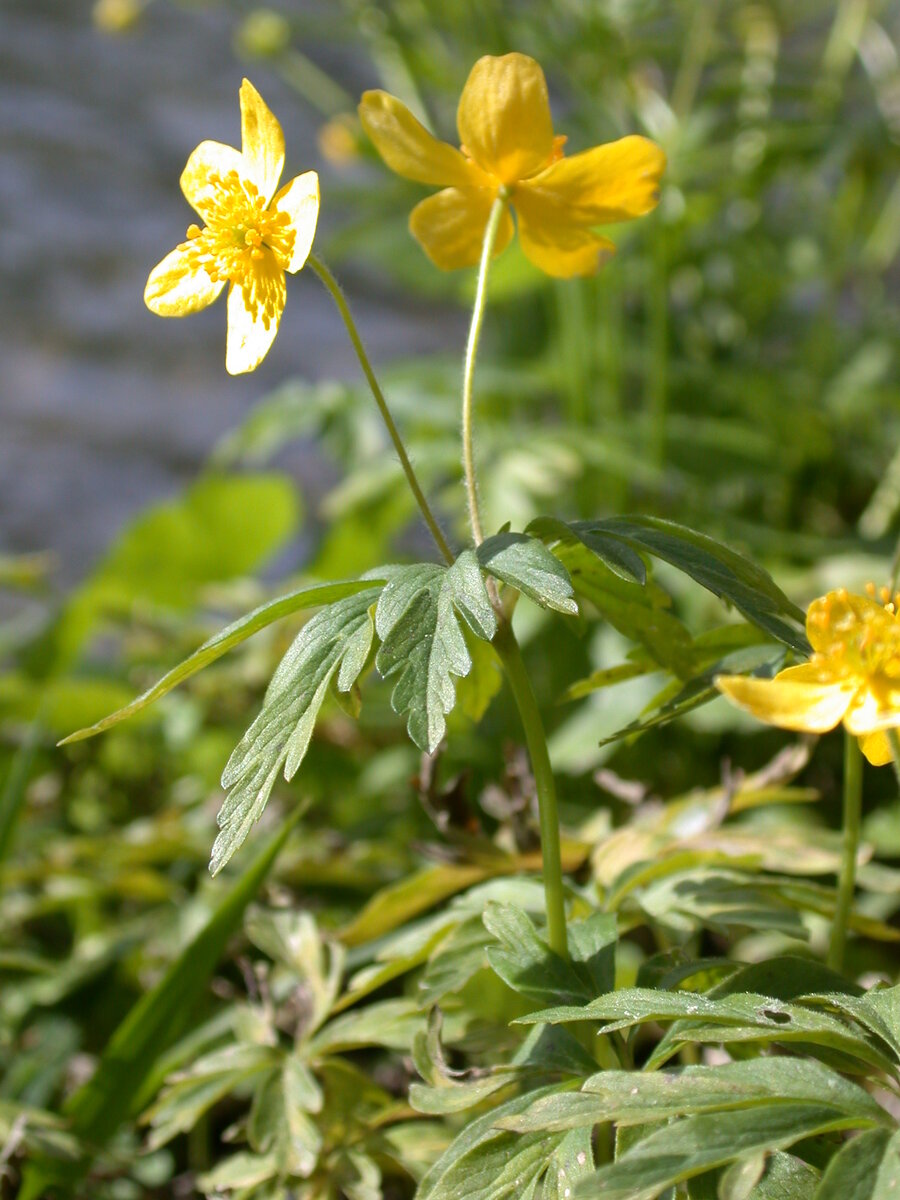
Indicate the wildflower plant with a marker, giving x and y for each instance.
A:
(571, 1091)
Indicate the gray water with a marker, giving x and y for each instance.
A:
(104, 406)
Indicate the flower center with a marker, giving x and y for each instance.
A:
(856, 636)
(239, 228)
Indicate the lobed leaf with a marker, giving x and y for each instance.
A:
(642, 1097)
(226, 639)
(280, 735)
(422, 642)
(866, 1168)
(722, 571)
(526, 564)
(696, 1144)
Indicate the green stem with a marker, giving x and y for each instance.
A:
(487, 250)
(511, 656)
(337, 295)
(847, 877)
(894, 741)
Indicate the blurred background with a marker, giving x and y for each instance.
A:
(734, 368)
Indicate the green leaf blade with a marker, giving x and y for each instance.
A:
(279, 737)
(226, 639)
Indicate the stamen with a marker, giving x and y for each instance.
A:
(193, 231)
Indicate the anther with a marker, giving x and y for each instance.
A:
(884, 594)
(870, 589)
(193, 231)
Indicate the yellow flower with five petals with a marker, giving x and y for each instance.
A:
(853, 676)
(508, 148)
(251, 236)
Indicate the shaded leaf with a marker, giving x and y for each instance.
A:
(728, 575)
(619, 558)
(696, 1144)
(127, 1065)
(866, 1168)
(525, 962)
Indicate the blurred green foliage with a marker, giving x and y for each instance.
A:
(734, 368)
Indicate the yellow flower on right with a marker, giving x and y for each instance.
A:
(508, 148)
(853, 675)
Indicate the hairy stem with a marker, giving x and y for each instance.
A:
(847, 877)
(511, 656)
(337, 295)
(487, 250)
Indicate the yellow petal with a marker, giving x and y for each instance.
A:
(408, 148)
(206, 167)
(504, 117)
(789, 703)
(254, 311)
(614, 182)
(450, 226)
(300, 200)
(262, 141)
(176, 287)
(553, 243)
(876, 748)
(869, 712)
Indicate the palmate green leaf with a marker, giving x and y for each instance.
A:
(678, 699)
(866, 1168)
(526, 564)
(783, 1177)
(444, 1090)
(422, 643)
(525, 962)
(487, 1163)
(572, 1161)
(226, 639)
(335, 642)
(728, 575)
(693, 1145)
(390, 1023)
(192, 1093)
(740, 1017)
(619, 558)
(642, 1097)
(279, 1123)
(641, 612)
(877, 1010)
(156, 1021)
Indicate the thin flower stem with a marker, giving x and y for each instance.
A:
(847, 877)
(487, 250)
(337, 295)
(894, 741)
(511, 656)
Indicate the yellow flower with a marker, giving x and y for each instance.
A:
(853, 675)
(251, 237)
(508, 148)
